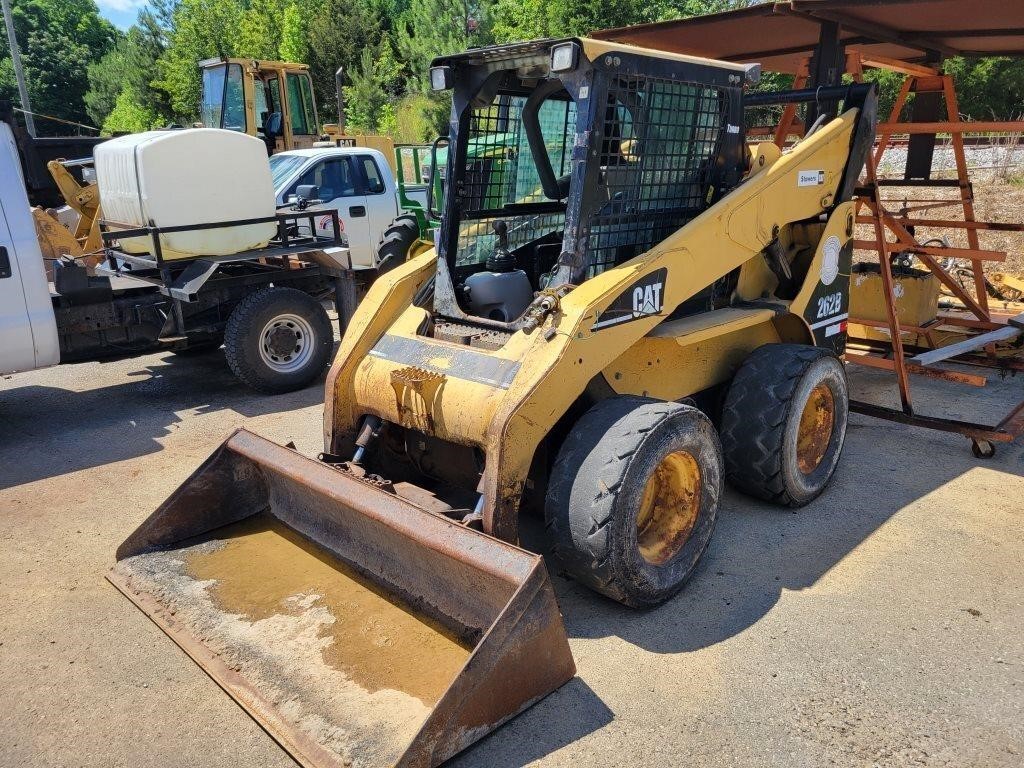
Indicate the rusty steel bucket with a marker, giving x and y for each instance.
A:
(355, 627)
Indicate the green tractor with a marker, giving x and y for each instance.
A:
(492, 171)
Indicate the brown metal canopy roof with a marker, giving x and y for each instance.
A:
(780, 35)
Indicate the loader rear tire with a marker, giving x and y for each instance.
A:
(278, 340)
(632, 498)
(784, 423)
(396, 243)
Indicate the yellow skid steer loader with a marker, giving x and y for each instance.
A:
(627, 306)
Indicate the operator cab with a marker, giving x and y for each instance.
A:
(272, 100)
(571, 157)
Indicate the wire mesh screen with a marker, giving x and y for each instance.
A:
(500, 170)
(659, 143)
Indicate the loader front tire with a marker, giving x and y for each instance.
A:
(396, 243)
(278, 340)
(632, 498)
(784, 423)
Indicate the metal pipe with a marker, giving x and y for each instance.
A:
(19, 74)
(339, 84)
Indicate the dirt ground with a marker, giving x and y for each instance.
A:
(880, 625)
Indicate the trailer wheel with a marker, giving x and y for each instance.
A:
(784, 423)
(632, 498)
(398, 239)
(278, 340)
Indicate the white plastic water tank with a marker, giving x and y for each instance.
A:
(194, 176)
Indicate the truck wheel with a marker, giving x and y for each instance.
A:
(632, 498)
(394, 246)
(278, 340)
(784, 423)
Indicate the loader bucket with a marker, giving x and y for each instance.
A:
(356, 628)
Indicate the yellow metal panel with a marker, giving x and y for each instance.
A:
(671, 367)
(595, 48)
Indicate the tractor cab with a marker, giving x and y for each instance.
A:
(272, 100)
(570, 157)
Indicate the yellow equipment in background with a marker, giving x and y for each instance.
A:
(625, 308)
(56, 240)
(274, 101)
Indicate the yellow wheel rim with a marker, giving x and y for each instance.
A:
(668, 508)
(815, 431)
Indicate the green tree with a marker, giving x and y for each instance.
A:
(430, 28)
(293, 33)
(201, 29)
(131, 66)
(338, 32)
(130, 116)
(374, 87)
(989, 88)
(259, 31)
(58, 41)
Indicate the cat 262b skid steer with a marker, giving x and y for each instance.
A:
(627, 307)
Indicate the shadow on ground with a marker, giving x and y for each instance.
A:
(77, 430)
(759, 551)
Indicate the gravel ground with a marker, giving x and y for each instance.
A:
(878, 626)
(998, 197)
(985, 163)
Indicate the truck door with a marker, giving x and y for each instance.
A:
(341, 188)
(28, 330)
(381, 202)
(16, 350)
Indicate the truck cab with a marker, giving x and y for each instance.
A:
(356, 181)
(28, 329)
(272, 100)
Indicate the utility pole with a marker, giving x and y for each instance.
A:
(12, 41)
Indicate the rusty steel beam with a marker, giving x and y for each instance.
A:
(956, 253)
(942, 374)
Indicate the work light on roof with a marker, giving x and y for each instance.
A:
(564, 57)
(440, 78)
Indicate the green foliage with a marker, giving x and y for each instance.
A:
(130, 67)
(989, 89)
(293, 33)
(129, 115)
(375, 85)
(415, 119)
(338, 32)
(201, 29)
(80, 68)
(532, 19)
(259, 30)
(431, 28)
(58, 40)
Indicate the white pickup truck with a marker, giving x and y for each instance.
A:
(265, 306)
(356, 181)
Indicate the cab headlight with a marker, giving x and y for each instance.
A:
(440, 78)
(565, 57)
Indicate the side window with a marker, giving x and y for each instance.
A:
(374, 182)
(262, 110)
(234, 100)
(334, 176)
(275, 94)
(300, 104)
(308, 103)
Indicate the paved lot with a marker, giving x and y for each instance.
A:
(881, 625)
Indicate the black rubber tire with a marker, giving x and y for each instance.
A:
(246, 323)
(595, 488)
(394, 245)
(761, 417)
